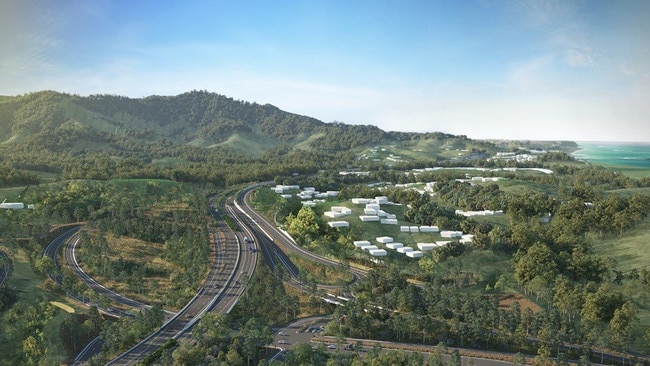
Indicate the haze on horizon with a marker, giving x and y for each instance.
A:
(539, 70)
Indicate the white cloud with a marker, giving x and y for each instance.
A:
(579, 58)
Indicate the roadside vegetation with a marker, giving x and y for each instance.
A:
(547, 253)
(565, 264)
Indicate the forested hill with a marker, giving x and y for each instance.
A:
(198, 118)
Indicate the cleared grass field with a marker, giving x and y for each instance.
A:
(249, 143)
(630, 251)
(635, 172)
(152, 287)
(25, 280)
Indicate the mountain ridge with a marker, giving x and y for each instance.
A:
(198, 118)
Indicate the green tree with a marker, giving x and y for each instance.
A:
(602, 304)
(304, 226)
(623, 320)
(538, 260)
(186, 354)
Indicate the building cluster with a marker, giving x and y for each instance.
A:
(373, 212)
(308, 193)
(532, 156)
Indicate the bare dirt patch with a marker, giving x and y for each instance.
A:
(506, 300)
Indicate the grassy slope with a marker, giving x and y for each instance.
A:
(254, 144)
(629, 252)
(635, 172)
(249, 143)
(143, 253)
(28, 285)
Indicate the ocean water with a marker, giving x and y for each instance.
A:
(632, 154)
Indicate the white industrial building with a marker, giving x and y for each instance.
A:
(281, 188)
(338, 224)
(333, 214)
(341, 209)
(394, 245)
(479, 213)
(380, 200)
(373, 206)
(361, 243)
(366, 218)
(451, 234)
(426, 246)
(429, 229)
(338, 211)
(404, 249)
(414, 254)
(377, 252)
(384, 239)
(12, 205)
(389, 221)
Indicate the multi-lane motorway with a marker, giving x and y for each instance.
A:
(281, 240)
(233, 261)
(220, 292)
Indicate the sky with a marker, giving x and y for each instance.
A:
(538, 70)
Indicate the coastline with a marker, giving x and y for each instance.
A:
(631, 158)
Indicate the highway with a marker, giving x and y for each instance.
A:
(309, 330)
(233, 265)
(281, 240)
(220, 292)
(53, 248)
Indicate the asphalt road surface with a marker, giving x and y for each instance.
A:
(309, 330)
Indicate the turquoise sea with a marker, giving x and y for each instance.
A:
(632, 154)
